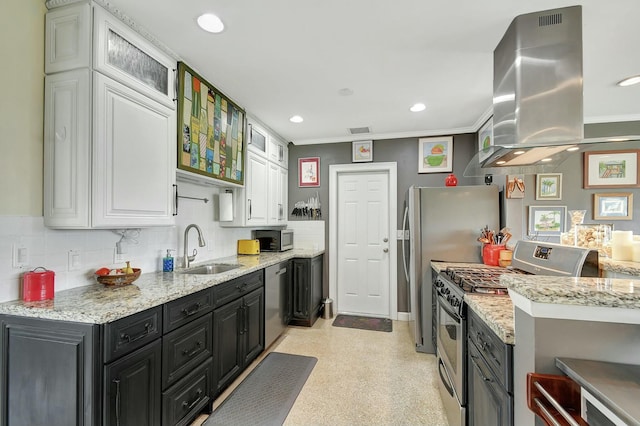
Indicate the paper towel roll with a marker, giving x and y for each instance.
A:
(226, 207)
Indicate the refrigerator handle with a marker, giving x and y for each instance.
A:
(404, 256)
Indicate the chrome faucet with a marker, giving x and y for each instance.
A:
(188, 259)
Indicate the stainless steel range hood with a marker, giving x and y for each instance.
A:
(537, 100)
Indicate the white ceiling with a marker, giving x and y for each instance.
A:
(277, 58)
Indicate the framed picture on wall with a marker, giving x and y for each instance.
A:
(309, 171)
(547, 220)
(549, 186)
(435, 155)
(485, 140)
(612, 206)
(515, 186)
(361, 151)
(611, 169)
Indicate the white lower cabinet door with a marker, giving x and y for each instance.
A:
(133, 158)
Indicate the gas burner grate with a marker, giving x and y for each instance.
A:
(479, 279)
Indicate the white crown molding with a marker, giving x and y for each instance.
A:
(393, 135)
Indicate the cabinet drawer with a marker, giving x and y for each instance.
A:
(185, 348)
(498, 355)
(132, 332)
(181, 311)
(231, 290)
(184, 400)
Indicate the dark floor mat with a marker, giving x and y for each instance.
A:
(363, 323)
(267, 394)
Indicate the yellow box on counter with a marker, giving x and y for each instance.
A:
(248, 247)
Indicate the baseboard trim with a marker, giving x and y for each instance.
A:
(403, 316)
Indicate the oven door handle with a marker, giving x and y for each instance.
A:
(445, 377)
(449, 312)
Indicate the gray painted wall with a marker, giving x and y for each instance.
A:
(404, 152)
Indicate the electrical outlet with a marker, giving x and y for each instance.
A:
(74, 260)
(20, 256)
(117, 257)
(399, 234)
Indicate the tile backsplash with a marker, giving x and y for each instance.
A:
(145, 249)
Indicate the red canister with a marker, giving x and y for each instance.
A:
(491, 254)
(38, 285)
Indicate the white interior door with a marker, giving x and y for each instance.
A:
(363, 244)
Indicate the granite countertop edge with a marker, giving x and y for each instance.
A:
(99, 304)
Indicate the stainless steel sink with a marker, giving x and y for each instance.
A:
(216, 268)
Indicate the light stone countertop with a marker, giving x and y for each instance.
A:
(99, 304)
(622, 267)
(496, 311)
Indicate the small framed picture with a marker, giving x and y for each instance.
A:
(362, 151)
(485, 140)
(549, 186)
(309, 171)
(547, 220)
(617, 206)
(611, 169)
(435, 155)
(515, 186)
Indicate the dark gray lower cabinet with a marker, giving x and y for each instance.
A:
(49, 372)
(490, 376)
(238, 330)
(306, 290)
(162, 366)
(132, 388)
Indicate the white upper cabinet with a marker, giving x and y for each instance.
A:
(67, 149)
(125, 56)
(110, 124)
(133, 158)
(68, 38)
(278, 152)
(263, 200)
(258, 141)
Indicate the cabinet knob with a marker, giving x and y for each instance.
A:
(386, 250)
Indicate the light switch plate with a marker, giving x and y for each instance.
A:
(20, 256)
(117, 257)
(399, 235)
(74, 260)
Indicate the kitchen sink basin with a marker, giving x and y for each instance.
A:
(216, 268)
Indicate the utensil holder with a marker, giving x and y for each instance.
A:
(491, 253)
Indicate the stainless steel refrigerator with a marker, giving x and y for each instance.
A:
(442, 224)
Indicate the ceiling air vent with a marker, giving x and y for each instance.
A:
(359, 130)
(553, 19)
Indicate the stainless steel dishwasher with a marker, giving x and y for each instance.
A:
(276, 296)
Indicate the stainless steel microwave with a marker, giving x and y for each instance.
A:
(274, 239)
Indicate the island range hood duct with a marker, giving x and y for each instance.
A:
(537, 95)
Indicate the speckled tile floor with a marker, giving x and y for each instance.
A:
(361, 378)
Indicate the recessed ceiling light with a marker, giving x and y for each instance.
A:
(518, 153)
(629, 81)
(546, 159)
(618, 139)
(573, 148)
(345, 92)
(501, 162)
(296, 119)
(210, 23)
(418, 107)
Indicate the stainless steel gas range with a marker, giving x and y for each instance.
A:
(529, 257)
